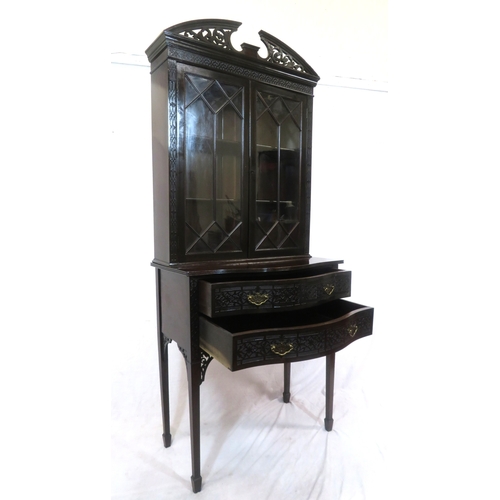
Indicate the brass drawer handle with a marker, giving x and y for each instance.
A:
(282, 348)
(353, 329)
(257, 299)
(329, 289)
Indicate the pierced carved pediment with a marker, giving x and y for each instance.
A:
(279, 53)
(217, 32)
(212, 31)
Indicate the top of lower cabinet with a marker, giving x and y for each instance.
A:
(247, 265)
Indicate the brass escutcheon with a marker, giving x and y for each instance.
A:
(257, 299)
(282, 348)
(353, 329)
(329, 289)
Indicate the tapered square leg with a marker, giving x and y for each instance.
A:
(196, 484)
(330, 376)
(194, 380)
(163, 362)
(167, 437)
(165, 402)
(286, 390)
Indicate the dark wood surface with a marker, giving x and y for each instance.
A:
(243, 341)
(280, 265)
(232, 141)
(251, 296)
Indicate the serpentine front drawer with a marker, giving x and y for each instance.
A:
(251, 340)
(253, 296)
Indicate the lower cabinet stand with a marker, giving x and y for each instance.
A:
(260, 329)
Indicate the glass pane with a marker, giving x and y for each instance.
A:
(198, 217)
(278, 146)
(215, 97)
(199, 150)
(229, 124)
(289, 238)
(229, 166)
(214, 161)
(263, 102)
(263, 242)
(230, 90)
(289, 165)
(267, 171)
(267, 131)
(199, 82)
(279, 110)
(232, 244)
(237, 102)
(295, 109)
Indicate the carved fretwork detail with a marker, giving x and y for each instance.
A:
(283, 295)
(282, 55)
(311, 343)
(278, 56)
(253, 349)
(217, 32)
(342, 283)
(183, 352)
(250, 350)
(212, 31)
(227, 300)
(335, 336)
(172, 110)
(362, 323)
(213, 36)
(309, 293)
(235, 298)
(205, 361)
(165, 342)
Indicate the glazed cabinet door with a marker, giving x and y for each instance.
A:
(277, 196)
(213, 151)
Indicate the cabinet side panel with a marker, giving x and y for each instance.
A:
(175, 313)
(160, 150)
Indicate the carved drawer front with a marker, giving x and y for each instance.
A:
(252, 340)
(236, 297)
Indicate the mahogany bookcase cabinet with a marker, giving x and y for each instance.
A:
(232, 134)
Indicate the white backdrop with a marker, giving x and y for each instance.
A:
(417, 206)
(413, 404)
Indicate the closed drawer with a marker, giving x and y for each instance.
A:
(254, 296)
(252, 340)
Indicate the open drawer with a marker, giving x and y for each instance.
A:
(251, 340)
(253, 296)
